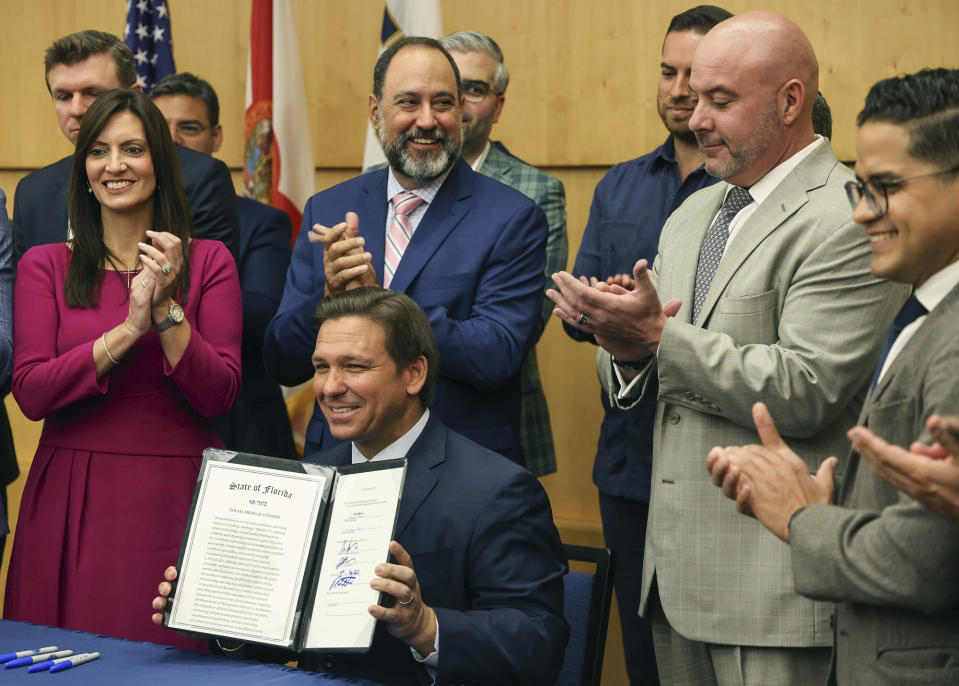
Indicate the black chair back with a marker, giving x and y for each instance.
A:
(586, 608)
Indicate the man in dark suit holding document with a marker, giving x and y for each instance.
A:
(478, 572)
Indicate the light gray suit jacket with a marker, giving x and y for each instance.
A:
(891, 564)
(794, 319)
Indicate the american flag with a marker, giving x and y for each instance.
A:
(147, 34)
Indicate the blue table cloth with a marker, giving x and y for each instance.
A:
(133, 663)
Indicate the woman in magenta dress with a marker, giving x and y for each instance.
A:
(127, 341)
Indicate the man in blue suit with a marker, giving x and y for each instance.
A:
(258, 421)
(478, 572)
(470, 252)
(79, 68)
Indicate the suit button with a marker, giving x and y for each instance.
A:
(674, 418)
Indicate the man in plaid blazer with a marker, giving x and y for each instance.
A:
(480, 62)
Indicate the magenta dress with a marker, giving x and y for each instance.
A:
(108, 494)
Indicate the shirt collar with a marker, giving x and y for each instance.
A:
(398, 448)
(763, 188)
(666, 153)
(427, 191)
(938, 286)
(478, 164)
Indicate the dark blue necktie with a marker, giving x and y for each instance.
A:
(911, 310)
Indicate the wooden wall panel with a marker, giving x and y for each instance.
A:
(581, 98)
(583, 74)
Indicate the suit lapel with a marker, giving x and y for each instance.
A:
(442, 216)
(59, 199)
(682, 272)
(786, 198)
(498, 166)
(373, 202)
(902, 373)
(428, 451)
(905, 362)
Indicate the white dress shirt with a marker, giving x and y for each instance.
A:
(930, 294)
(427, 192)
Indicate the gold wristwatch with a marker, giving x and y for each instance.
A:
(175, 316)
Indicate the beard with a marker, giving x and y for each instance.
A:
(742, 157)
(679, 129)
(420, 167)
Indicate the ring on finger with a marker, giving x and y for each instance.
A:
(582, 318)
(143, 282)
(408, 600)
(166, 269)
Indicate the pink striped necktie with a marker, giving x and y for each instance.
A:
(400, 233)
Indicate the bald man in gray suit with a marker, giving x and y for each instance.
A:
(764, 295)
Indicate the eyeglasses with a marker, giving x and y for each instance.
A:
(877, 192)
(475, 90)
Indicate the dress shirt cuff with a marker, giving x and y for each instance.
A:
(431, 661)
(630, 390)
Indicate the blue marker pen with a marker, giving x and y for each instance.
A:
(34, 659)
(44, 666)
(24, 653)
(74, 662)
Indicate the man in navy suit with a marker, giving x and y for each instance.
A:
(79, 68)
(478, 572)
(258, 421)
(474, 261)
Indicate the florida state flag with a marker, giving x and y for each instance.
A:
(276, 171)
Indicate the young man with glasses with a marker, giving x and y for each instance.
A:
(889, 563)
(485, 79)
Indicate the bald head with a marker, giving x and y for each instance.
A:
(754, 71)
(774, 47)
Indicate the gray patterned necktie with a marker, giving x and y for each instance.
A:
(714, 244)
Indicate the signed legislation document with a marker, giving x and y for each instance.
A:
(281, 552)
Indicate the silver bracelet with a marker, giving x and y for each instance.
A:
(103, 339)
(229, 650)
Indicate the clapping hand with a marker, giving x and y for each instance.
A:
(345, 263)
